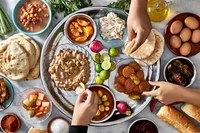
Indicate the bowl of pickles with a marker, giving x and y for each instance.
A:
(106, 103)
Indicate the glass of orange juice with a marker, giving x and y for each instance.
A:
(158, 10)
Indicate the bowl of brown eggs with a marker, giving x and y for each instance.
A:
(182, 34)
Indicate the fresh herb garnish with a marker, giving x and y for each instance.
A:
(68, 6)
(121, 4)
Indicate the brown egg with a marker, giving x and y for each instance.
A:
(185, 49)
(175, 41)
(196, 36)
(191, 23)
(176, 27)
(185, 34)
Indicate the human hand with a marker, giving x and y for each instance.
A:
(138, 23)
(85, 108)
(166, 93)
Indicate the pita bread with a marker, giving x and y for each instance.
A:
(30, 49)
(34, 73)
(158, 49)
(37, 48)
(15, 62)
(36, 130)
(145, 50)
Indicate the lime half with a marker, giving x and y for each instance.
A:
(96, 57)
(106, 65)
(104, 57)
(113, 66)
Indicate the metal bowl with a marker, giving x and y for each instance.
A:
(183, 58)
(142, 119)
(81, 15)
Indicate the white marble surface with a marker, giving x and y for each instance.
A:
(178, 6)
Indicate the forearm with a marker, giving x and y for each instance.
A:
(191, 96)
(138, 5)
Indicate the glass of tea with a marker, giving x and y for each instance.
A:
(158, 10)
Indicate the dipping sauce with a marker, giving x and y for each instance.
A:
(80, 29)
(10, 123)
(105, 103)
(180, 72)
(143, 126)
(33, 15)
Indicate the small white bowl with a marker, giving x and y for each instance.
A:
(183, 58)
(141, 119)
(81, 15)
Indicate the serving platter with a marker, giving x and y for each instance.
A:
(63, 100)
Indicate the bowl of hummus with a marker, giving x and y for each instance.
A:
(71, 66)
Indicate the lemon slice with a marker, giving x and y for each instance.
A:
(106, 65)
(104, 57)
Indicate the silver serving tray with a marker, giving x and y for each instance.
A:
(61, 100)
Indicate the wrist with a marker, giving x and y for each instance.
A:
(79, 123)
(183, 94)
(138, 5)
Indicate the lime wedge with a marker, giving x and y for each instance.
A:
(98, 68)
(106, 65)
(104, 57)
(113, 66)
(96, 57)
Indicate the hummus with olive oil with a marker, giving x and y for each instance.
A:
(69, 68)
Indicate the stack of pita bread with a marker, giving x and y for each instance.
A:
(150, 51)
(19, 58)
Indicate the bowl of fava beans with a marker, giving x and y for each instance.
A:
(32, 17)
(106, 103)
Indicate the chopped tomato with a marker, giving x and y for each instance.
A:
(39, 114)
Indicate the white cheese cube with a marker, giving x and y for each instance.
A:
(40, 96)
(38, 103)
(45, 104)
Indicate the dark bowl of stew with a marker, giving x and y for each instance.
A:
(106, 103)
(32, 17)
(180, 70)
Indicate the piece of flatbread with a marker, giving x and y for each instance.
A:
(144, 51)
(158, 51)
(34, 72)
(30, 49)
(37, 48)
(15, 62)
(36, 130)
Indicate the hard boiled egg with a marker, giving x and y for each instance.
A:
(185, 49)
(191, 23)
(196, 36)
(176, 27)
(185, 34)
(175, 41)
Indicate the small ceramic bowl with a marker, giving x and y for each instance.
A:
(188, 61)
(142, 122)
(4, 118)
(106, 91)
(84, 16)
(23, 112)
(16, 22)
(10, 89)
(50, 122)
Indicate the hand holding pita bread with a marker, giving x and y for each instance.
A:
(138, 23)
